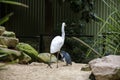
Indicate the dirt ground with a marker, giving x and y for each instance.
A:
(40, 71)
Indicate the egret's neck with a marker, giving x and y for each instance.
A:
(63, 31)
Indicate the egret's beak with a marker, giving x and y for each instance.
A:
(65, 25)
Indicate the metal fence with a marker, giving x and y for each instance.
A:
(43, 16)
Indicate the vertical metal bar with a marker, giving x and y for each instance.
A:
(41, 43)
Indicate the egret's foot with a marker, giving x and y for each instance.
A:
(49, 65)
(57, 66)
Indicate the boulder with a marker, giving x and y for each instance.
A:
(45, 57)
(2, 29)
(8, 34)
(8, 54)
(28, 49)
(12, 42)
(106, 68)
(9, 41)
(3, 46)
(24, 58)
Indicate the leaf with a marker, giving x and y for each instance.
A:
(85, 44)
(14, 3)
(6, 18)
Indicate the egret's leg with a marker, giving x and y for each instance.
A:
(49, 64)
(57, 58)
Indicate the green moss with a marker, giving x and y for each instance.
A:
(8, 54)
(8, 34)
(28, 49)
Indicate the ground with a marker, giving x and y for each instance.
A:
(40, 71)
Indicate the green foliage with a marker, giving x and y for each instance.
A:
(77, 48)
(85, 8)
(107, 40)
(87, 45)
(110, 31)
(6, 18)
(13, 3)
(76, 5)
(112, 35)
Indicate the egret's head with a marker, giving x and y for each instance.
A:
(63, 24)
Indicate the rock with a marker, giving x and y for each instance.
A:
(3, 46)
(45, 57)
(9, 41)
(2, 29)
(28, 49)
(8, 34)
(24, 58)
(8, 54)
(12, 42)
(106, 68)
(86, 68)
(3, 40)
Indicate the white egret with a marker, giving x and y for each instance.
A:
(57, 43)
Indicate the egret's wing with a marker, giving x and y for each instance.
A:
(56, 44)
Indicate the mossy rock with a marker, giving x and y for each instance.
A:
(3, 41)
(8, 34)
(2, 29)
(24, 58)
(12, 42)
(8, 54)
(45, 57)
(28, 49)
(3, 46)
(9, 41)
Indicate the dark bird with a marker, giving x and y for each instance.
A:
(66, 57)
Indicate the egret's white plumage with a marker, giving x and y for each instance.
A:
(58, 42)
